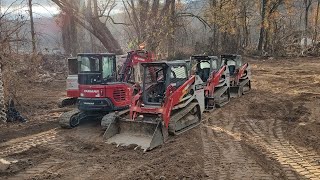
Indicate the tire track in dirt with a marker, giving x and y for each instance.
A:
(23, 144)
(295, 163)
(56, 137)
(58, 141)
(48, 167)
(224, 155)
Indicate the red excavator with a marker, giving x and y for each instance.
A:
(101, 89)
(240, 74)
(171, 101)
(216, 80)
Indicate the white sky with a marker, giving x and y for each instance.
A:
(41, 8)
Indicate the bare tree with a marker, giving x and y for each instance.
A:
(316, 22)
(3, 115)
(33, 33)
(263, 24)
(92, 21)
(307, 4)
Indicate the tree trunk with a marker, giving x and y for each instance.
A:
(262, 28)
(306, 18)
(33, 34)
(3, 114)
(171, 40)
(316, 23)
(94, 26)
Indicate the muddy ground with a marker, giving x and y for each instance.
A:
(271, 133)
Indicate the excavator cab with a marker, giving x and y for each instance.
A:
(97, 68)
(100, 91)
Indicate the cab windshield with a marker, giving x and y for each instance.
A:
(108, 68)
(89, 63)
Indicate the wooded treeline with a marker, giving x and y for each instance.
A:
(175, 28)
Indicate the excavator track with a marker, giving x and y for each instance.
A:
(68, 102)
(184, 114)
(64, 119)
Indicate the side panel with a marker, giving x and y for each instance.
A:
(120, 94)
(72, 82)
(199, 92)
(108, 97)
(72, 86)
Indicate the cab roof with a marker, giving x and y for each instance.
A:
(203, 57)
(230, 56)
(165, 63)
(96, 54)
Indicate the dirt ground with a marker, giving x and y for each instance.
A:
(271, 133)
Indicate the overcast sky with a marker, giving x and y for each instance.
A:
(41, 8)
(45, 8)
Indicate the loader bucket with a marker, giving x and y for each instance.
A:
(145, 134)
(235, 91)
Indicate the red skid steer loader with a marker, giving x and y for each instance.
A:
(216, 80)
(171, 104)
(240, 74)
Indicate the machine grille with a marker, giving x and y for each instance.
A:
(119, 94)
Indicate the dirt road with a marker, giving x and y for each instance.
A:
(271, 133)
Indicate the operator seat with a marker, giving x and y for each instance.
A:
(205, 74)
(232, 69)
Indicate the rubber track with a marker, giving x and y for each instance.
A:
(180, 115)
(64, 119)
(301, 162)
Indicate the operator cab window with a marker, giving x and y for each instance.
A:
(108, 69)
(178, 76)
(232, 65)
(203, 71)
(154, 85)
(89, 64)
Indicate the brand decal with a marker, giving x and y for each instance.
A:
(88, 103)
(90, 91)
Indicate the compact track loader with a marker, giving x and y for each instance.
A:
(170, 102)
(216, 80)
(240, 74)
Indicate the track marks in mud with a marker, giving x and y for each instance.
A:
(23, 144)
(224, 156)
(48, 167)
(296, 163)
